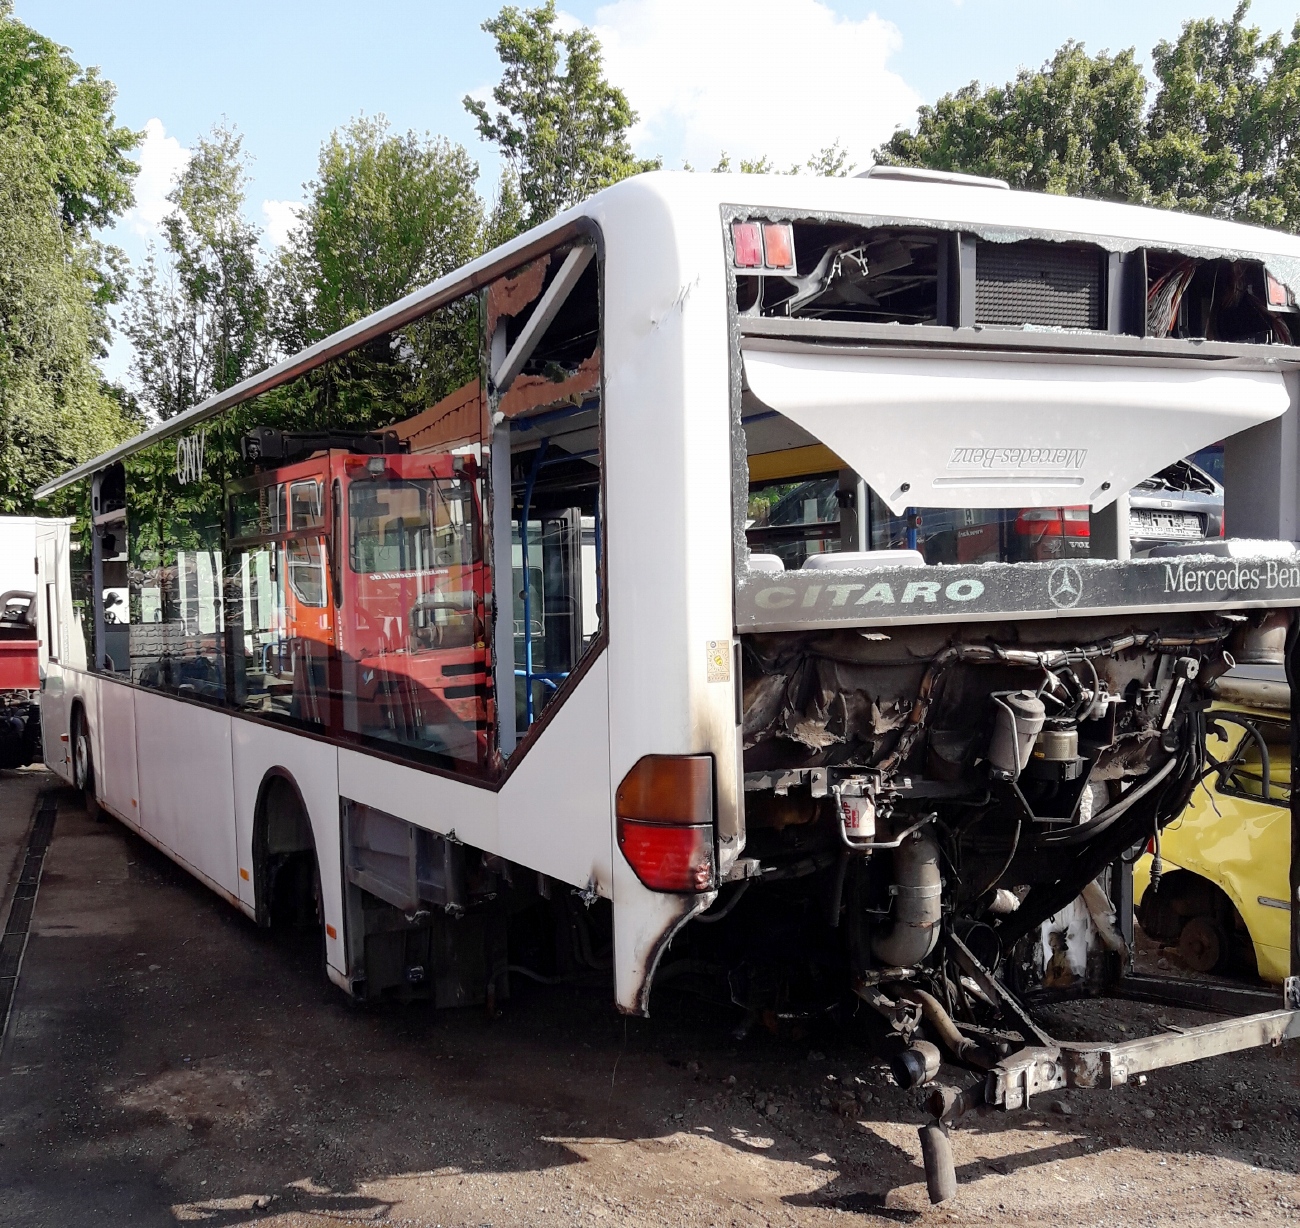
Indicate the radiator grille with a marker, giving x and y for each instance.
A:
(1038, 283)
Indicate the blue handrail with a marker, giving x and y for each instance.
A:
(528, 674)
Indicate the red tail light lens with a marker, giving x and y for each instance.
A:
(778, 246)
(668, 858)
(1278, 294)
(1054, 522)
(664, 807)
(747, 243)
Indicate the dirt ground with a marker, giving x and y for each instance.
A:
(167, 1062)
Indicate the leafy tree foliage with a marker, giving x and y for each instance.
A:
(198, 320)
(1074, 126)
(831, 162)
(63, 170)
(1219, 137)
(561, 127)
(79, 146)
(1223, 128)
(385, 215)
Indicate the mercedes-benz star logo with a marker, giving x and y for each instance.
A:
(1064, 586)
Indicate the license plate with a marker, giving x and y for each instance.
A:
(1143, 522)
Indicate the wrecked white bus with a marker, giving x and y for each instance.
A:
(729, 579)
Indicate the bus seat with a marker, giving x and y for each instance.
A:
(766, 562)
(863, 560)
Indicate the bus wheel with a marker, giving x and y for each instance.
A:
(83, 764)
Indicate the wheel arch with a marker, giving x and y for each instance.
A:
(282, 827)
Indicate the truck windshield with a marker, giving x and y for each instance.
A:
(404, 524)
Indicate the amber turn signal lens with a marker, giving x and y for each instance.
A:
(667, 789)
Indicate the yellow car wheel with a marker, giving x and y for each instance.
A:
(1203, 944)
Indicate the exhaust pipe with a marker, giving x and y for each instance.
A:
(917, 889)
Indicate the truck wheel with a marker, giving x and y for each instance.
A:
(83, 764)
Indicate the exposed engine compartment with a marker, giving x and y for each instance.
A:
(924, 806)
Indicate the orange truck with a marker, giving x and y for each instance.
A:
(380, 608)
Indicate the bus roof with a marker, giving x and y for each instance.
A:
(691, 200)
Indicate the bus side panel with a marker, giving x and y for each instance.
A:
(187, 798)
(313, 765)
(435, 803)
(115, 765)
(56, 702)
(53, 613)
(555, 812)
(668, 458)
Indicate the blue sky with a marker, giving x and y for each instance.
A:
(784, 77)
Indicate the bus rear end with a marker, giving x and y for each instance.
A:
(965, 705)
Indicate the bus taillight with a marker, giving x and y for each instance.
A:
(665, 822)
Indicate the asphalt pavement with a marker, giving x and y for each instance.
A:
(167, 1062)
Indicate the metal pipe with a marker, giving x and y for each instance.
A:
(932, 1011)
(918, 891)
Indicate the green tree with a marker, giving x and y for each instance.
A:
(198, 319)
(1073, 126)
(561, 127)
(1219, 137)
(831, 162)
(385, 215)
(54, 408)
(64, 171)
(1222, 129)
(79, 146)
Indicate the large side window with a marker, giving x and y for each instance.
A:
(544, 345)
(358, 585)
(400, 548)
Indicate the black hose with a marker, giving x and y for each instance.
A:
(1046, 899)
(520, 970)
(1011, 856)
(1112, 813)
(710, 917)
(1266, 767)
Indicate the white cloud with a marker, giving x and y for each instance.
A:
(282, 216)
(162, 160)
(784, 78)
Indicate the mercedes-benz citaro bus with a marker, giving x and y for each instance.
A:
(725, 581)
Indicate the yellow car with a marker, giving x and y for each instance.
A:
(1222, 899)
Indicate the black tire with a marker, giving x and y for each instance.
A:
(83, 764)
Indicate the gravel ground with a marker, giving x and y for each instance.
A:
(167, 1062)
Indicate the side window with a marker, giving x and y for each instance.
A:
(305, 568)
(176, 623)
(52, 622)
(1251, 755)
(544, 345)
(110, 589)
(358, 583)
